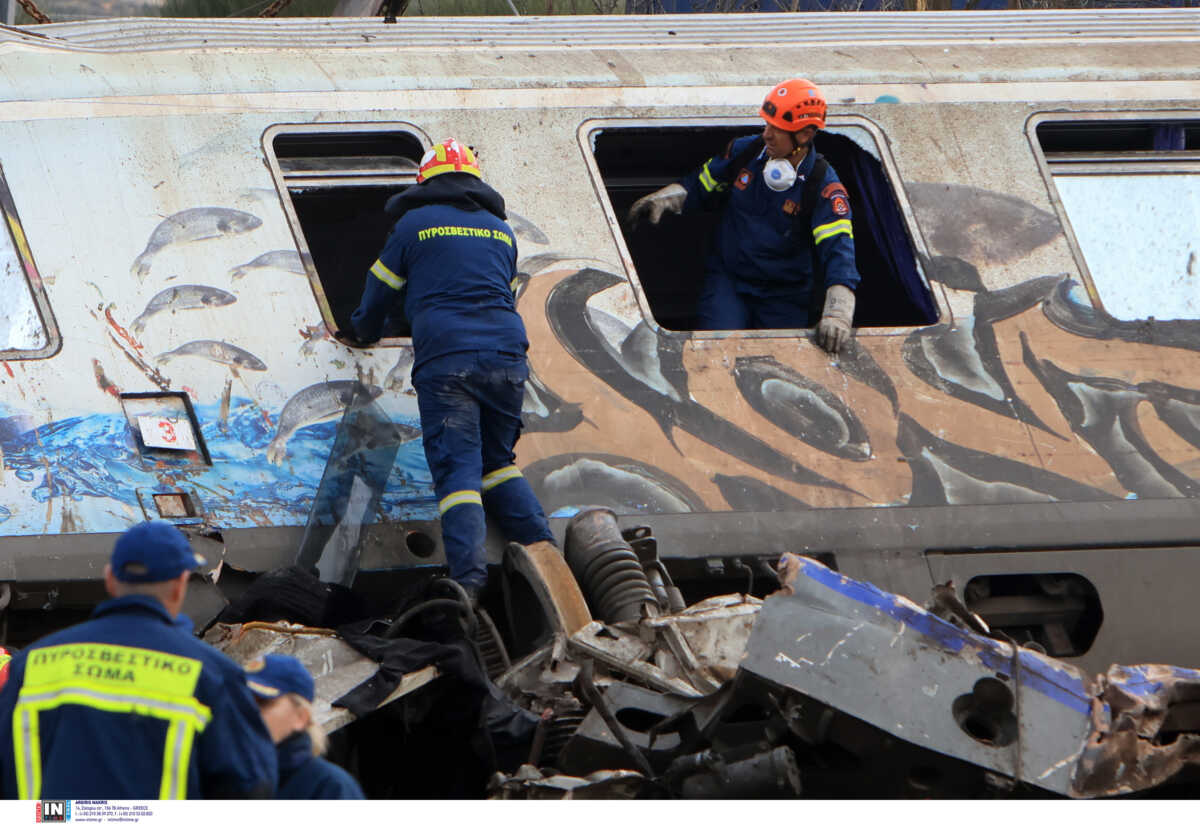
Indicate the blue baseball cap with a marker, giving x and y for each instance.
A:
(152, 551)
(274, 675)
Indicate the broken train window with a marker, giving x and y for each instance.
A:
(338, 178)
(1129, 189)
(27, 328)
(639, 157)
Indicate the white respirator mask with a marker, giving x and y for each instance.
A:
(779, 174)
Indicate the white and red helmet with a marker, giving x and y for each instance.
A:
(447, 156)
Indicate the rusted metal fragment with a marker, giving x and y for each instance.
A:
(543, 566)
(1145, 729)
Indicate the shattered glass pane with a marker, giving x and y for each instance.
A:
(347, 501)
(1140, 236)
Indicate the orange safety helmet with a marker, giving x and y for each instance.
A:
(794, 104)
(447, 156)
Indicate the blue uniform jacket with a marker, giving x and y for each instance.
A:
(459, 260)
(756, 242)
(127, 705)
(303, 775)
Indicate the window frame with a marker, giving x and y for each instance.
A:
(33, 279)
(590, 126)
(1121, 162)
(335, 181)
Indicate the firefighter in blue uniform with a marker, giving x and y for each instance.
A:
(766, 257)
(285, 691)
(455, 256)
(128, 705)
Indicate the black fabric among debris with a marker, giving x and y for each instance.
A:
(294, 594)
(476, 699)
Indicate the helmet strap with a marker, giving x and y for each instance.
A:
(797, 149)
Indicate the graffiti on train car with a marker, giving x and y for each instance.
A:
(735, 422)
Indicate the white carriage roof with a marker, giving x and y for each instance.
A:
(621, 31)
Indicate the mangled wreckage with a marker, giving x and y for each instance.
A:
(830, 687)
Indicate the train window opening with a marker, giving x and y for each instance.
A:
(27, 327)
(1059, 612)
(1129, 191)
(669, 258)
(338, 181)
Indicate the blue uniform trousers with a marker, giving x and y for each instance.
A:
(726, 304)
(470, 404)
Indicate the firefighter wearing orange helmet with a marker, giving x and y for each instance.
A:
(785, 234)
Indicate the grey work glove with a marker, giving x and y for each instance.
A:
(667, 199)
(834, 329)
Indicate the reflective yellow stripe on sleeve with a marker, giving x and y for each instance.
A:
(710, 183)
(494, 479)
(828, 230)
(387, 275)
(463, 496)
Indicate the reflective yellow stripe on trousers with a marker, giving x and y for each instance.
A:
(463, 496)
(114, 679)
(499, 476)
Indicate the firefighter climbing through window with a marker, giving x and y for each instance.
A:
(455, 254)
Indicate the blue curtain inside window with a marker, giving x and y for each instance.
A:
(892, 293)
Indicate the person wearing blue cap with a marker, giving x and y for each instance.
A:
(285, 692)
(128, 705)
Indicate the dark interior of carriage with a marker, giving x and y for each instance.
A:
(339, 183)
(669, 258)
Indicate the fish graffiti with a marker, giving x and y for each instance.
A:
(217, 351)
(570, 482)
(802, 407)
(286, 260)
(184, 296)
(313, 404)
(190, 225)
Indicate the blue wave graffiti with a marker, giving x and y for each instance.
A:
(93, 460)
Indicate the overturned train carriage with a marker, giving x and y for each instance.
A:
(191, 207)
